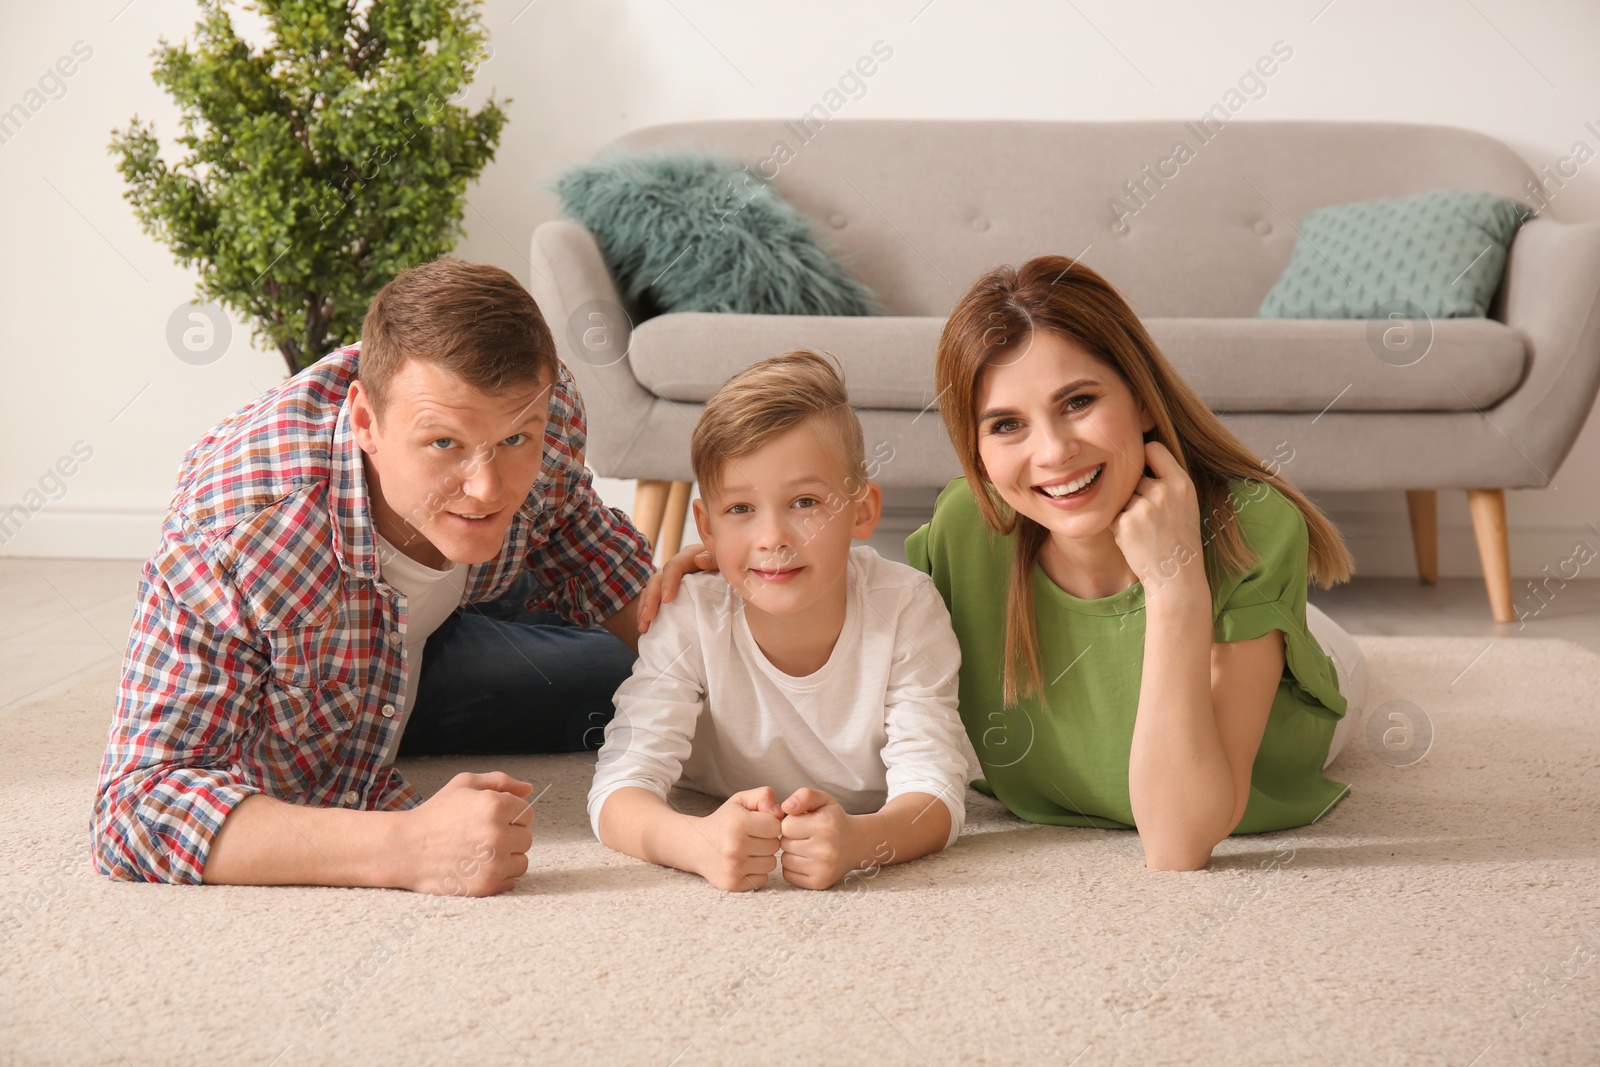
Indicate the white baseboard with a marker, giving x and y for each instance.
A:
(74, 533)
(1380, 543)
(1383, 548)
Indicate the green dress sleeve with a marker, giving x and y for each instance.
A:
(917, 549)
(1287, 786)
(1271, 594)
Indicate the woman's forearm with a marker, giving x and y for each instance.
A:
(1180, 785)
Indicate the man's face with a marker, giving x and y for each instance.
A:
(448, 465)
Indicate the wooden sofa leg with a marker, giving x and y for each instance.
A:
(649, 502)
(1424, 507)
(1494, 548)
(672, 520)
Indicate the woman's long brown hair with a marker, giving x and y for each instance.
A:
(1058, 295)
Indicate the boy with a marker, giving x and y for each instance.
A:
(812, 684)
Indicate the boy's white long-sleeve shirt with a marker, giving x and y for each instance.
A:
(705, 708)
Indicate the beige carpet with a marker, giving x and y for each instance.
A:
(1444, 913)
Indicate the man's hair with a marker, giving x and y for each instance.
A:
(472, 319)
(766, 400)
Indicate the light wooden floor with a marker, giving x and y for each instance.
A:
(65, 617)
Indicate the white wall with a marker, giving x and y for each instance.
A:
(85, 295)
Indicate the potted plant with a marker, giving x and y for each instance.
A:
(319, 166)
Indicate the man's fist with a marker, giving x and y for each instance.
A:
(470, 838)
(741, 840)
(821, 841)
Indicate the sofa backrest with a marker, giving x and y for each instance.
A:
(1188, 219)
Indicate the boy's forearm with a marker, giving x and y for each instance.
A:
(266, 841)
(636, 822)
(909, 826)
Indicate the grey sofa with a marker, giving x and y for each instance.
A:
(918, 209)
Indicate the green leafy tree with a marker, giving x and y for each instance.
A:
(319, 167)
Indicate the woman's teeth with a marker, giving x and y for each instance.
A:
(1070, 488)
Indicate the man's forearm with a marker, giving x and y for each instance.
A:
(266, 841)
(624, 625)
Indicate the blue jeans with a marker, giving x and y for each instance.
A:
(498, 679)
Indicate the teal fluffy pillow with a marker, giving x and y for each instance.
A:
(687, 232)
(1442, 251)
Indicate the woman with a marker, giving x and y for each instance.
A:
(1145, 666)
(1128, 581)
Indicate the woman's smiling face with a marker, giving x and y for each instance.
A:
(1052, 417)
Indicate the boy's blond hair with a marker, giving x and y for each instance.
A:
(766, 400)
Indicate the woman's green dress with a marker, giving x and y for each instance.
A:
(1065, 760)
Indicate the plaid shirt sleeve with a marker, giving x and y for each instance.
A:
(189, 683)
(590, 562)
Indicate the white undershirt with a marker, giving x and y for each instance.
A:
(431, 595)
(706, 709)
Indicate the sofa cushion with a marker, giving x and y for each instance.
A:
(1440, 252)
(1237, 365)
(693, 232)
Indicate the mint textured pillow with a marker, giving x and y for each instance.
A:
(690, 232)
(1442, 251)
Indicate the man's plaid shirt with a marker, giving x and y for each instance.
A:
(266, 655)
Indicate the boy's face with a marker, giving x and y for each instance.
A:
(782, 519)
(445, 452)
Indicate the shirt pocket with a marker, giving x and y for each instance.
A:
(307, 729)
(313, 657)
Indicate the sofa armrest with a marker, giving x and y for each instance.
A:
(592, 329)
(1549, 295)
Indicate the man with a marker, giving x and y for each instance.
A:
(342, 577)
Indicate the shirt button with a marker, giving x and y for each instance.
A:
(352, 798)
(388, 711)
(394, 637)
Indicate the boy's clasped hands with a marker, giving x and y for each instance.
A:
(821, 842)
